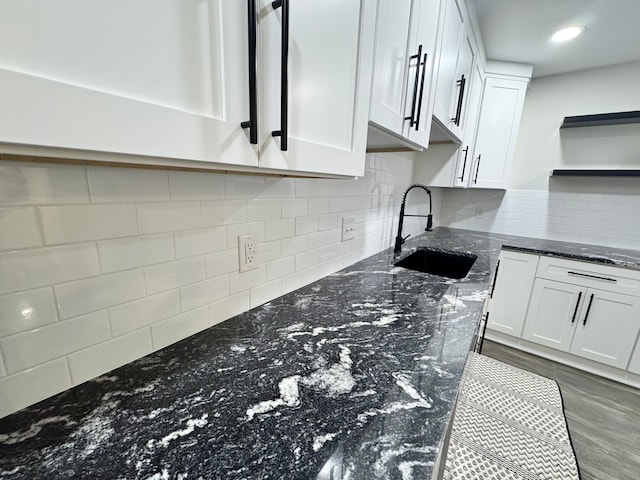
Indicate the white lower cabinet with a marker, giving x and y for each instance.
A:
(515, 272)
(553, 313)
(587, 319)
(606, 331)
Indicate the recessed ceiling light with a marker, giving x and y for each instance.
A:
(567, 33)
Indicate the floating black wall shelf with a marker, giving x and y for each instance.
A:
(617, 118)
(595, 173)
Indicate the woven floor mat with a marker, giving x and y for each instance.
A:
(509, 424)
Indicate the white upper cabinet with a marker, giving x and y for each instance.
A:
(157, 78)
(464, 154)
(329, 79)
(402, 91)
(459, 102)
(497, 131)
(167, 80)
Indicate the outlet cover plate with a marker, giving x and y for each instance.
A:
(248, 251)
(348, 228)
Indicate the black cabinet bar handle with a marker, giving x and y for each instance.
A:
(575, 312)
(411, 119)
(484, 332)
(584, 322)
(475, 180)
(424, 70)
(461, 83)
(252, 123)
(606, 279)
(464, 163)
(495, 279)
(284, 75)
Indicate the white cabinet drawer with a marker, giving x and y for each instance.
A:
(587, 274)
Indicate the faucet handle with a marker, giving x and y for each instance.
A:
(404, 238)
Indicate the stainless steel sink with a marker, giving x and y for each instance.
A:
(437, 261)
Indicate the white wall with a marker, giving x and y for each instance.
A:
(604, 210)
(100, 266)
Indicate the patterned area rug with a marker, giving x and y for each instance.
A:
(509, 425)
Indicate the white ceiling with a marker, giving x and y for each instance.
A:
(519, 31)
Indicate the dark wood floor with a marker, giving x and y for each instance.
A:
(603, 416)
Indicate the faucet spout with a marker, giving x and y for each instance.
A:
(399, 239)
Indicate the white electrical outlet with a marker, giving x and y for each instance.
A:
(480, 212)
(248, 251)
(348, 228)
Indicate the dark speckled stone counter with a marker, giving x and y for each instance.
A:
(353, 376)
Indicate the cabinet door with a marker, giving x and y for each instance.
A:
(607, 334)
(156, 78)
(424, 29)
(453, 26)
(390, 74)
(553, 314)
(459, 102)
(465, 154)
(509, 296)
(498, 126)
(329, 67)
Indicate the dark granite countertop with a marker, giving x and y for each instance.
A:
(353, 376)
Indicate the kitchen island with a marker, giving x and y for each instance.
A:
(354, 376)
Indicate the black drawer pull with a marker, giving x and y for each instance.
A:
(588, 310)
(495, 279)
(606, 279)
(575, 312)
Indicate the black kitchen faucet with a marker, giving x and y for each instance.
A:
(399, 239)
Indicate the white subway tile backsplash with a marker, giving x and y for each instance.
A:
(46, 266)
(201, 293)
(132, 252)
(318, 206)
(141, 313)
(243, 186)
(166, 276)
(295, 207)
(337, 204)
(91, 294)
(278, 229)
(265, 292)
(27, 310)
(270, 251)
(30, 386)
(19, 228)
(168, 216)
(291, 246)
(31, 184)
(187, 186)
(246, 280)
(28, 349)
(233, 231)
(224, 212)
(306, 224)
(104, 357)
(275, 187)
(197, 242)
(174, 329)
(280, 268)
(263, 209)
(229, 307)
(109, 184)
(173, 270)
(325, 222)
(314, 257)
(78, 223)
(219, 263)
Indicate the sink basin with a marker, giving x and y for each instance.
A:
(437, 261)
